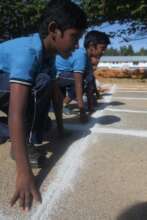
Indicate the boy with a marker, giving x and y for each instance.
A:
(21, 60)
(79, 67)
(70, 77)
(95, 43)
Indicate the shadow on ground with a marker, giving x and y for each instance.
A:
(103, 105)
(59, 145)
(135, 212)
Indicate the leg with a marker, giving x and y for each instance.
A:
(57, 99)
(90, 97)
(38, 109)
(95, 89)
(4, 106)
(70, 94)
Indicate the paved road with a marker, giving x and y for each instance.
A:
(100, 173)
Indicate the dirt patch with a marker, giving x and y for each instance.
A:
(121, 73)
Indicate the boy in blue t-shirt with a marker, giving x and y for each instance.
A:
(95, 43)
(79, 67)
(70, 74)
(21, 62)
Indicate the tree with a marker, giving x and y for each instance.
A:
(130, 50)
(134, 12)
(111, 52)
(142, 52)
(125, 51)
(19, 17)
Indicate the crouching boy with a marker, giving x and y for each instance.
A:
(21, 61)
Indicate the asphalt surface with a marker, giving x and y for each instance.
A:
(97, 173)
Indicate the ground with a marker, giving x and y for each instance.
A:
(99, 173)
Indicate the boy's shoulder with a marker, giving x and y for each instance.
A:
(24, 42)
(79, 51)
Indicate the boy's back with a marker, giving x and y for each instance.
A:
(20, 57)
(77, 62)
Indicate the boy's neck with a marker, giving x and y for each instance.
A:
(49, 47)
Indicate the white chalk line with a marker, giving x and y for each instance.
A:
(133, 88)
(4, 217)
(129, 98)
(126, 110)
(135, 91)
(118, 131)
(66, 172)
(100, 130)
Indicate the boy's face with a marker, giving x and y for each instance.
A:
(67, 41)
(96, 51)
(94, 61)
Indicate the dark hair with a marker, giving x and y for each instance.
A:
(65, 13)
(96, 37)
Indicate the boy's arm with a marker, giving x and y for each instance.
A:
(79, 95)
(90, 97)
(78, 89)
(25, 184)
(57, 99)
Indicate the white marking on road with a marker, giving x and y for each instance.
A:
(135, 91)
(133, 88)
(127, 132)
(100, 130)
(129, 98)
(66, 174)
(4, 217)
(126, 110)
(67, 170)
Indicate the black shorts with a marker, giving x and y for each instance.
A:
(38, 102)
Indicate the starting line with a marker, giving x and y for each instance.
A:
(68, 166)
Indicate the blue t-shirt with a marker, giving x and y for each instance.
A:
(22, 58)
(77, 62)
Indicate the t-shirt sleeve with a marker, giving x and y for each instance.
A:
(23, 67)
(79, 62)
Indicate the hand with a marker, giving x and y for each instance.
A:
(26, 191)
(83, 116)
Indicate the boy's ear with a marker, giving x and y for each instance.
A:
(52, 27)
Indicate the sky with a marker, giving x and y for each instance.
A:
(117, 42)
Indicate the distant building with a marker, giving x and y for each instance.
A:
(123, 62)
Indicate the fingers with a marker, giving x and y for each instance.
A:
(37, 196)
(28, 201)
(29, 197)
(14, 198)
(26, 197)
(22, 201)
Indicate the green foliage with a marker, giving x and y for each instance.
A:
(100, 11)
(125, 51)
(19, 17)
